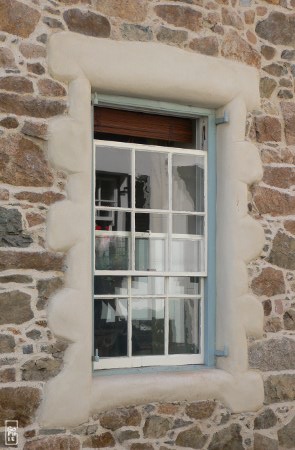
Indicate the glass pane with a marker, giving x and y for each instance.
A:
(184, 285)
(185, 224)
(110, 285)
(150, 254)
(147, 327)
(147, 285)
(111, 253)
(113, 177)
(183, 326)
(188, 183)
(154, 223)
(151, 183)
(110, 327)
(112, 220)
(187, 255)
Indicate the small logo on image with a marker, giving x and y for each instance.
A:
(11, 433)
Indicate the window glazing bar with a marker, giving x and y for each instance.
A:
(150, 148)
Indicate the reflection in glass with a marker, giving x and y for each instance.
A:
(188, 183)
(113, 175)
(186, 224)
(112, 220)
(147, 327)
(183, 326)
(110, 327)
(108, 285)
(149, 254)
(151, 180)
(187, 255)
(154, 223)
(147, 285)
(111, 253)
(184, 285)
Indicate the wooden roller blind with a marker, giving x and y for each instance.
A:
(130, 123)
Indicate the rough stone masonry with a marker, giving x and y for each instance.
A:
(259, 33)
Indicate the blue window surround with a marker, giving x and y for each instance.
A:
(144, 105)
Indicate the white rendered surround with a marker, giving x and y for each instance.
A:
(158, 72)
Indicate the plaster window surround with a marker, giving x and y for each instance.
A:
(163, 73)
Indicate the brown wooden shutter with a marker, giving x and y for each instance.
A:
(131, 123)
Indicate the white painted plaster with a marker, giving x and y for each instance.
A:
(151, 70)
(154, 71)
(252, 315)
(64, 150)
(240, 283)
(65, 213)
(250, 239)
(239, 237)
(248, 162)
(178, 386)
(241, 193)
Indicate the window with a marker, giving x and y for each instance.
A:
(168, 74)
(150, 240)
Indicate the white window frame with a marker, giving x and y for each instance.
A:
(166, 359)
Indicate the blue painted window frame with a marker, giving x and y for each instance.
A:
(151, 106)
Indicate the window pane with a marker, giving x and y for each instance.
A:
(150, 254)
(184, 285)
(186, 224)
(112, 220)
(147, 327)
(183, 326)
(113, 177)
(188, 183)
(110, 327)
(187, 255)
(151, 188)
(112, 253)
(106, 285)
(147, 285)
(154, 223)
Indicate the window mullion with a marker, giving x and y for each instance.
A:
(132, 251)
(129, 323)
(166, 324)
(168, 245)
(132, 209)
(206, 214)
(168, 267)
(202, 318)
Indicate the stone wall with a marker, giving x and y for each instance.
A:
(259, 33)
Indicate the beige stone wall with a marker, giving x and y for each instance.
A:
(257, 33)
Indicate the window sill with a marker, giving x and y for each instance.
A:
(150, 369)
(239, 392)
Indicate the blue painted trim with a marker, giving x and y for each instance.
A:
(210, 282)
(222, 353)
(150, 369)
(221, 120)
(130, 103)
